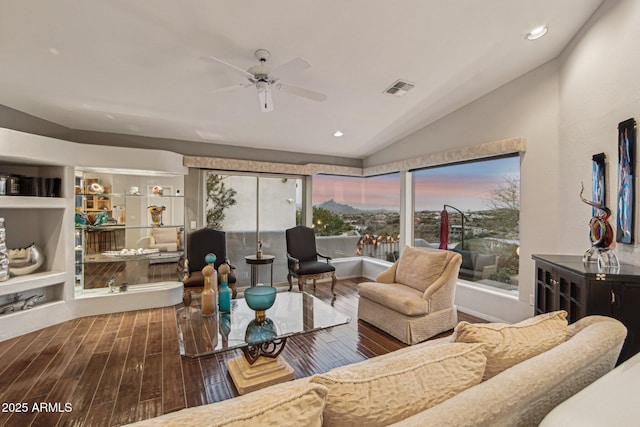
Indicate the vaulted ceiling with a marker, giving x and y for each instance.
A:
(137, 67)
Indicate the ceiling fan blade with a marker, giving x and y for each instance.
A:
(294, 66)
(233, 67)
(231, 88)
(264, 96)
(299, 91)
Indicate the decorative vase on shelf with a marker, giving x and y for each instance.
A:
(4, 254)
(156, 214)
(208, 299)
(224, 293)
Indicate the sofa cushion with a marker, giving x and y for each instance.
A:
(508, 345)
(419, 268)
(381, 392)
(294, 404)
(400, 298)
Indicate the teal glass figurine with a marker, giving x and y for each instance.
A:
(224, 293)
(210, 258)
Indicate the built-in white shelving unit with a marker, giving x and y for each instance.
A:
(49, 222)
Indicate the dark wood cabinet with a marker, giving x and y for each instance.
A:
(563, 282)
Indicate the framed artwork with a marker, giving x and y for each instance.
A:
(598, 179)
(626, 172)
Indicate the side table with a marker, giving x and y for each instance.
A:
(254, 262)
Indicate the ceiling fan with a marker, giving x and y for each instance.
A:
(265, 80)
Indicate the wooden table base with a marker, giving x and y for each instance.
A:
(264, 372)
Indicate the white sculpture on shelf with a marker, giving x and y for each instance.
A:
(25, 260)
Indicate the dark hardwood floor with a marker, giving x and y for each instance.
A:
(114, 369)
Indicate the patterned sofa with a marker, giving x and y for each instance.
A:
(484, 375)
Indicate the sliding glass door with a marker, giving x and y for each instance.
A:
(257, 210)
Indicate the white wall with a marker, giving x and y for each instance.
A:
(600, 87)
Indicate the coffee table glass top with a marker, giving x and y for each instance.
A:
(293, 313)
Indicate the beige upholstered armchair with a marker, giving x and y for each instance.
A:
(413, 299)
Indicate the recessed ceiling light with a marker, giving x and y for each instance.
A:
(536, 33)
(338, 133)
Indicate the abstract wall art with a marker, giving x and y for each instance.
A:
(626, 172)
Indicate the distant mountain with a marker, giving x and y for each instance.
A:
(339, 208)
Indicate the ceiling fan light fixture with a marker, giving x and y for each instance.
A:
(536, 33)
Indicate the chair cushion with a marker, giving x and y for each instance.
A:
(395, 296)
(508, 345)
(381, 392)
(195, 279)
(484, 260)
(314, 267)
(468, 258)
(420, 268)
(291, 404)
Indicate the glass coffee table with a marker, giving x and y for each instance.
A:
(293, 313)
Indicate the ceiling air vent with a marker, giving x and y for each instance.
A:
(399, 88)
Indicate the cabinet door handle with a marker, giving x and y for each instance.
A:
(613, 297)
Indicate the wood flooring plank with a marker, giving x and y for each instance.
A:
(61, 360)
(129, 390)
(105, 344)
(5, 346)
(127, 324)
(40, 369)
(154, 338)
(149, 408)
(151, 387)
(85, 391)
(65, 388)
(22, 363)
(142, 317)
(112, 376)
(173, 396)
(195, 389)
(99, 414)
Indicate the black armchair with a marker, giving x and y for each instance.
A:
(199, 244)
(302, 259)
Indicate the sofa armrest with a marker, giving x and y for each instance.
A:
(441, 293)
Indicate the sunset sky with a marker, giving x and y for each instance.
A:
(465, 186)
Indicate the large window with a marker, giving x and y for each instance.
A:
(473, 208)
(357, 216)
